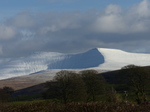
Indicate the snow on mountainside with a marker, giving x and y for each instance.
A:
(115, 59)
(98, 58)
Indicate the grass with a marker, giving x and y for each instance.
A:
(48, 106)
(26, 102)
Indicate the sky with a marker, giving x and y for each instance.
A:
(73, 26)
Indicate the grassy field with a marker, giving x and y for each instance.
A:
(48, 106)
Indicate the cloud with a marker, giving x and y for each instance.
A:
(70, 32)
(6, 32)
(114, 20)
(113, 9)
(111, 21)
(59, 22)
(23, 19)
(142, 9)
(1, 50)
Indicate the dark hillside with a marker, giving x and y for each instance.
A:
(112, 76)
(37, 89)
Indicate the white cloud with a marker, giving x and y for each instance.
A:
(114, 20)
(142, 9)
(111, 23)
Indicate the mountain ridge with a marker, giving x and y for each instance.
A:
(97, 58)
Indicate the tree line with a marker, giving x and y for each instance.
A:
(69, 86)
(89, 85)
(85, 86)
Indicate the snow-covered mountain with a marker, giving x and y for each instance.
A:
(98, 58)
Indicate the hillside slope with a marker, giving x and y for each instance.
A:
(98, 58)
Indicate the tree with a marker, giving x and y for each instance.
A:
(5, 93)
(137, 79)
(8, 90)
(95, 83)
(67, 86)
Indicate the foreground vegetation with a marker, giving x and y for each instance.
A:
(86, 91)
(47, 106)
(132, 84)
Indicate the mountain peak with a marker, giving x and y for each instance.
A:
(97, 58)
